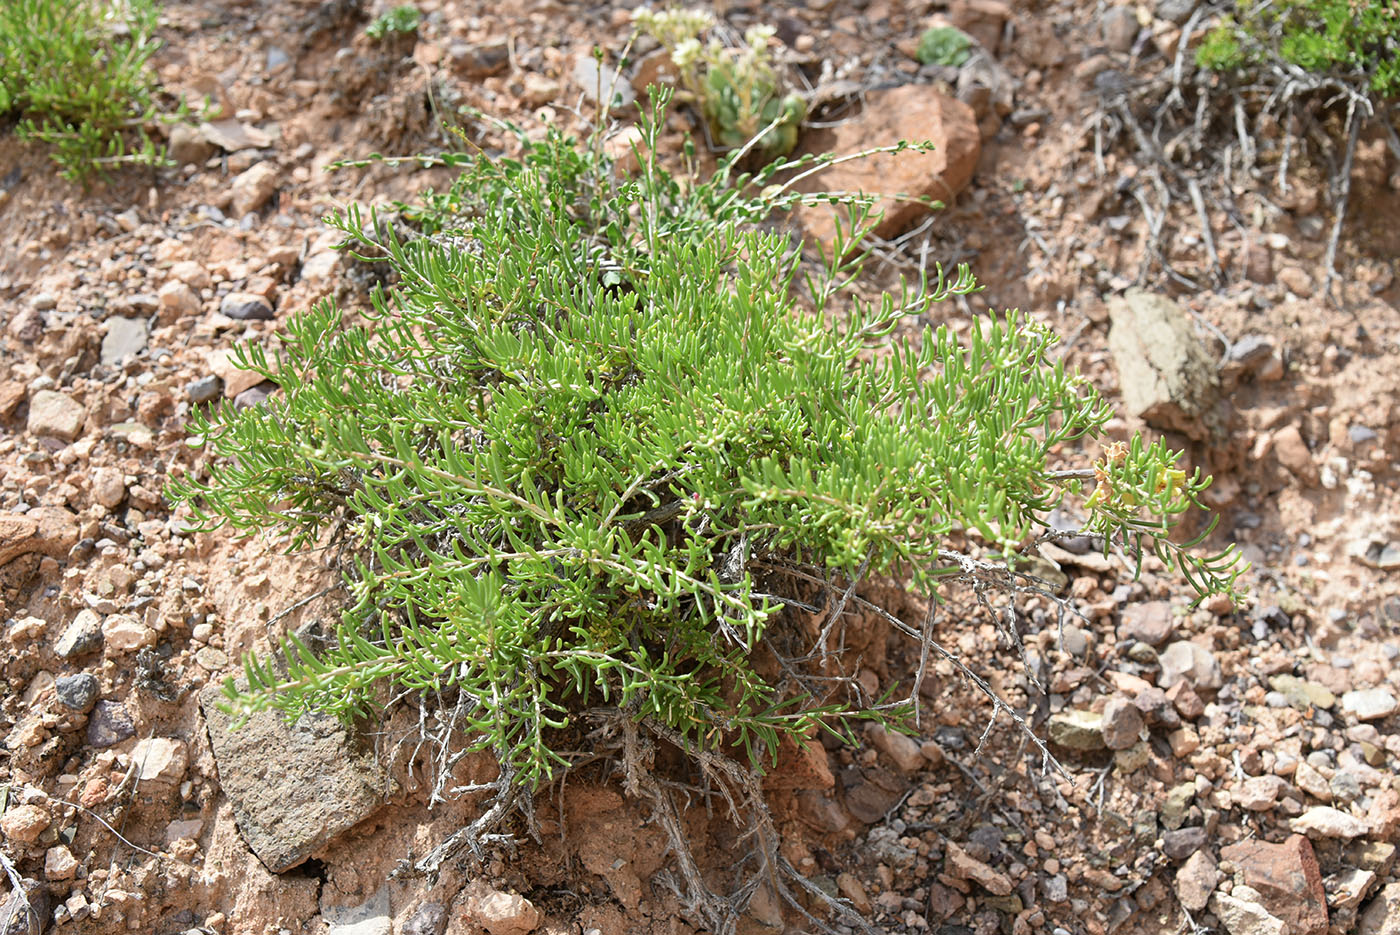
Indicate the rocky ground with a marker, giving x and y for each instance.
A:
(1230, 770)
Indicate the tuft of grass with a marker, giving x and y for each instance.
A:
(74, 75)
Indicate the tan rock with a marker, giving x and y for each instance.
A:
(251, 189)
(963, 866)
(24, 823)
(1196, 880)
(51, 530)
(191, 274)
(161, 760)
(901, 749)
(497, 912)
(1167, 378)
(123, 633)
(236, 380)
(59, 864)
(179, 299)
(1292, 452)
(56, 414)
(108, 487)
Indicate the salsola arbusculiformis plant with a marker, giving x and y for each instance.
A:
(592, 458)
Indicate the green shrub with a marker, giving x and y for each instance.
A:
(944, 45)
(74, 73)
(1342, 37)
(400, 20)
(737, 90)
(604, 438)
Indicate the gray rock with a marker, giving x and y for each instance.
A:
(1251, 351)
(371, 917)
(1122, 723)
(109, 724)
(1192, 662)
(593, 80)
(323, 780)
(1120, 27)
(187, 146)
(83, 635)
(1183, 842)
(204, 389)
(1152, 623)
(1383, 556)
(246, 306)
(1157, 710)
(1167, 378)
(428, 919)
(1176, 11)
(1360, 434)
(78, 692)
(1075, 640)
(125, 337)
(479, 60)
(26, 911)
(254, 395)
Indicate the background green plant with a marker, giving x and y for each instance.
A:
(1345, 37)
(943, 45)
(736, 87)
(75, 75)
(592, 450)
(401, 19)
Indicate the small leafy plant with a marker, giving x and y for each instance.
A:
(74, 73)
(399, 21)
(592, 457)
(944, 45)
(1341, 37)
(737, 89)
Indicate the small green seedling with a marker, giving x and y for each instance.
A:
(398, 21)
(944, 45)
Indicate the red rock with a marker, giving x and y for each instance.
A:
(983, 20)
(51, 530)
(1288, 880)
(798, 768)
(914, 113)
(963, 866)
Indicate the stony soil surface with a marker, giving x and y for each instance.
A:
(1230, 770)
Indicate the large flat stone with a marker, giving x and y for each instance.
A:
(294, 787)
(913, 112)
